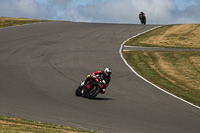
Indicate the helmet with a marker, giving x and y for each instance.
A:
(107, 71)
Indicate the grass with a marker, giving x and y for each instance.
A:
(11, 125)
(176, 72)
(137, 40)
(170, 36)
(6, 21)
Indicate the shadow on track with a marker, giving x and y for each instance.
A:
(102, 99)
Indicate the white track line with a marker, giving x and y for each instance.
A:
(126, 46)
(120, 52)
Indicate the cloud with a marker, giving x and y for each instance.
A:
(60, 4)
(25, 8)
(123, 11)
(104, 11)
(126, 11)
(17, 7)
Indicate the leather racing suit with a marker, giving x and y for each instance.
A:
(104, 79)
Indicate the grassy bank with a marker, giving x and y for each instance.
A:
(176, 72)
(170, 36)
(6, 21)
(13, 125)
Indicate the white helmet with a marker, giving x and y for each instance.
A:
(107, 71)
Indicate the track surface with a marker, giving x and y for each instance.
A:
(41, 66)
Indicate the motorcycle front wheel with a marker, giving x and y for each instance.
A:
(78, 91)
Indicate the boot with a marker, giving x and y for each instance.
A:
(82, 83)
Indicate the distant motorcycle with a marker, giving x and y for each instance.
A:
(90, 89)
(142, 18)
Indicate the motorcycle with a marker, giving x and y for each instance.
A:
(90, 89)
(143, 19)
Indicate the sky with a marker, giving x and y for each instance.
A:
(104, 11)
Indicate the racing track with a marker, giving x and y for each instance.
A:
(42, 64)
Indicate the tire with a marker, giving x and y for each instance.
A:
(78, 91)
(144, 21)
(93, 92)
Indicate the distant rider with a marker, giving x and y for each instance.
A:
(103, 76)
(142, 17)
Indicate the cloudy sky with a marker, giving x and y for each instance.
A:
(105, 11)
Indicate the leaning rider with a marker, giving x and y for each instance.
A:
(142, 16)
(104, 77)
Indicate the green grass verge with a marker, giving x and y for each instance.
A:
(136, 41)
(6, 21)
(169, 36)
(11, 125)
(147, 65)
(185, 82)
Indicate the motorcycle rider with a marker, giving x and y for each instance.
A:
(103, 76)
(142, 17)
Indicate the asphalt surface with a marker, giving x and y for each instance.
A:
(41, 65)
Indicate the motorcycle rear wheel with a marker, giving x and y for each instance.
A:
(93, 92)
